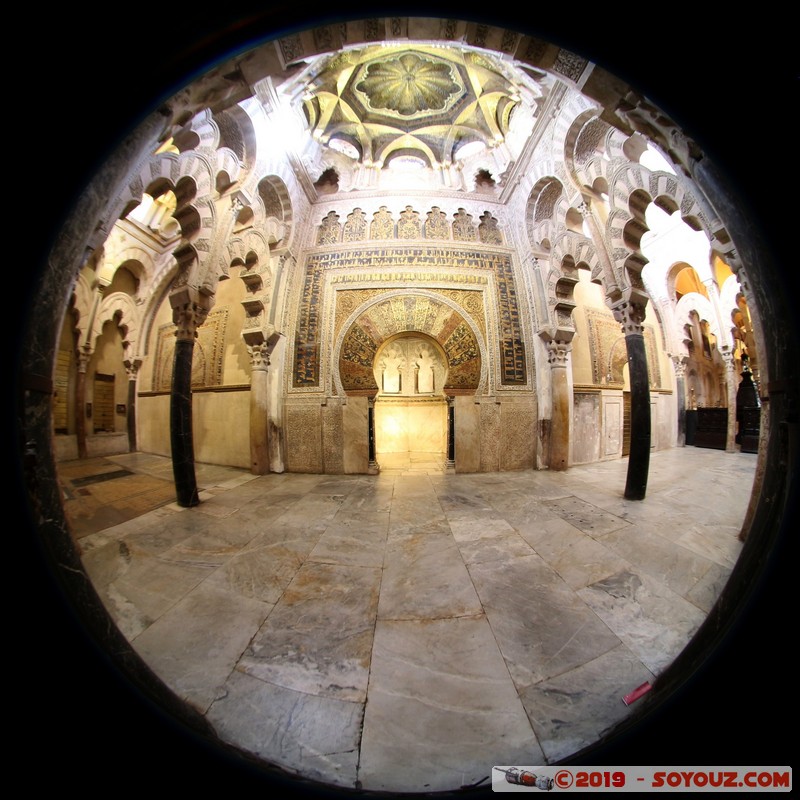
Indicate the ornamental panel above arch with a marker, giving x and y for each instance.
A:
(388, 315)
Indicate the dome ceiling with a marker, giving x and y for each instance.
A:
(425, 102)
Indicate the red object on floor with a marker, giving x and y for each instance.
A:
(636, 693)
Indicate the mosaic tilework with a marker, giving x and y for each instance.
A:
(411, 313)
(413, 261)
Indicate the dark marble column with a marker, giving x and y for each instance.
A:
(373, 464)
(80, 404)
(631, 316)
(132, 369)
(187, 317)
(451, 433)
(557, 356)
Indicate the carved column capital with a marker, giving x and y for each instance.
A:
(84, 355)
(680, 362)
(259, 356)
(132, 368)
(558, 352)
(729, 357)
(630, 315)
(188, 318)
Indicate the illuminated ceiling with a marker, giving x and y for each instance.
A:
(419, 102)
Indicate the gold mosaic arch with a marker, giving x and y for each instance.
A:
(409, 313)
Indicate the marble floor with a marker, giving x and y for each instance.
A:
(403, 632)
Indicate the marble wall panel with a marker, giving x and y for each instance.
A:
(221, 426)
(333, 436)
(303, 437)
(518, 434)
(585, 427)
(413, 426)
(355, 428)
(152, 419)
(666, 421)
(490, 435)
(612, 426)
(468, 434)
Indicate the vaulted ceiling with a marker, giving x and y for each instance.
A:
(423, 102)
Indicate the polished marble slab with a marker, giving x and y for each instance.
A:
(543, 628)
(575, 556)
(582, 704)
(405, 631)
(440, 681)
(354, 537)
(195, 645)
(671, 564)
(585, 516)
(318, 637)
(424, 577)
(652, 620)
(307, 735)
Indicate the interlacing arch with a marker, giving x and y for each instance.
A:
(547, 205)
(546, 213)
(702, 307)
(275, 212)
(119, 308)
(586, 149)
(252, 246)
(631, 189)
(189, 176)
(570, 252)
(81, 304)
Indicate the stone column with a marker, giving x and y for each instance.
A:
(631, 316)
(259, 408)
(188, 316)
(80, 403)
(450, 462)
(679, 362)
(557, 356)
(132, 368)
(732, 386)
(373, 464)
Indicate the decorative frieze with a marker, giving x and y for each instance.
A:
(415, 261)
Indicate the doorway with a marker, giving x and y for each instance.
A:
(103, 403)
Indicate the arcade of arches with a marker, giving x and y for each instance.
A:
(459, 242)
(553, 265)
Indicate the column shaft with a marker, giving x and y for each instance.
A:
(639, 458)
(131, 420)
(259, 421)
(557, 353)
(80, 409)
(181, 425)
